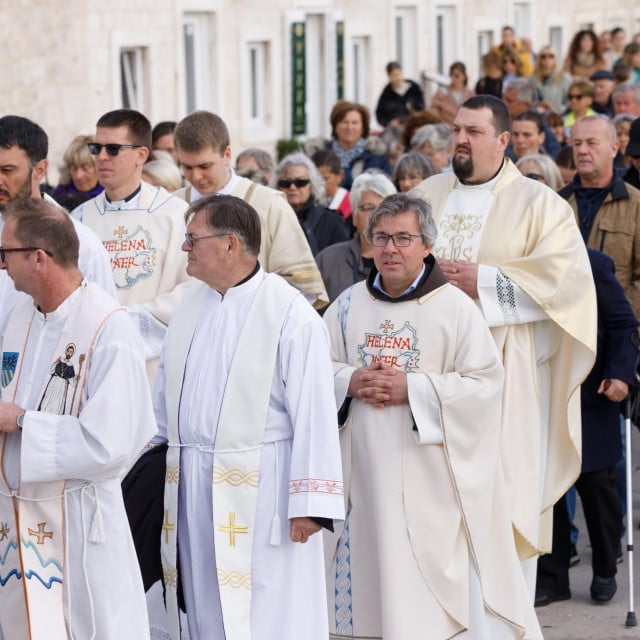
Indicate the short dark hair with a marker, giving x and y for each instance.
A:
(531, 116)
(46, 226)
(199, 130)
(164, 128)
(459, 66)
(229, 214)
(392, 66)
(16, 131)
(327, 158)
(138, 125)
(340, 110)
(500, 113)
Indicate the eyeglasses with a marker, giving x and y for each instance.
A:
(399, 239)
(112, 149)
(546, 55)
(190, 239)
(575, 96)
(298, 183)
(535, 176)
(4, 251)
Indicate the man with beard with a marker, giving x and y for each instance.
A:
(513, 246)
(23, 164)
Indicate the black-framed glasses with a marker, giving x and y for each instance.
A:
(4, 251)
(575, 96)
(111, 148)
(380, 239)
(298, 183)
(190, 239)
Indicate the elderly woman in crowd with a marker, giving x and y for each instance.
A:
(552, 82)
(163, 172)
(542, 168)
(344, 264)
(436, 142)
(78, 176)
(581, 94)
(411, 169)
(297, 177)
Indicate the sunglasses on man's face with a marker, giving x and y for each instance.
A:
(112, 149)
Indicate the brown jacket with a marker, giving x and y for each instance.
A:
(616, 232)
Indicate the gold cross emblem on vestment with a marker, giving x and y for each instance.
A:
(41, 534)
(386, 326)
(167, 526)
(120, 232)
(4, 531)
(231, 528)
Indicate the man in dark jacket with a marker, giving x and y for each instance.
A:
(632, 176)
(605, 387)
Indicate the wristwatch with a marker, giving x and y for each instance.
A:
(20, 420)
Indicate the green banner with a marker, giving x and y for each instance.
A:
(298, 71)
(340, 60)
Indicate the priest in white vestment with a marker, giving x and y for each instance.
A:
(244, 398)
(426, 549)
(512, 245)
(204, 153)
(69, 567)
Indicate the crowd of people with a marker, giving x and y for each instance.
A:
(283, 399)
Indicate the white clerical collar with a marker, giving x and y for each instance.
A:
(377, 284)
(246, 287)
(234, 179)
(62, 310)
(485, 186)
(129, 203)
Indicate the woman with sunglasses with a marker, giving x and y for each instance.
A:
(552, 82)
(580, 97)
(297, 177)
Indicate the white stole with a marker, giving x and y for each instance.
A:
(32, 520)
(237, 450)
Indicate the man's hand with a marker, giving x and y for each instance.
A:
(614, 390)
(380, 385)
(9, 413)
(461, 274)
(301, 529)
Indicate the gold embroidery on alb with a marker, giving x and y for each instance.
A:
(234, 579)
(235, 477)
(232, 529)
(458, 231)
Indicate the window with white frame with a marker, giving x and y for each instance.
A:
(133, 80)
(405, 24)
(555, 39)
(198, 48)
(446, 37)
(485, 42)
(258, 75)
(360, 54)
(522, 19)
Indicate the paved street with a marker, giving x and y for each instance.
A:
(581, 619)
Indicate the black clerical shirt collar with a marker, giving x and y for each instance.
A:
(128, 198)
(466, 184)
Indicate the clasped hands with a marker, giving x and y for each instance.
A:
(380, 385)
(461, 274)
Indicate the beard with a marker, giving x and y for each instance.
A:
(22, 193)
(463, 168)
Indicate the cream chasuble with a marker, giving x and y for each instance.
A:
(33, 535)
(537, 295)
(415, 557)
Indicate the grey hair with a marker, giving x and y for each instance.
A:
(401, 203)
(599, 117)
(439, 137)
(623, 117)
(164, 173)
(412, 161)
(627, 87)
(547, 168)
(525, 89)
(377, 183)
(299, 159)
(263, 158)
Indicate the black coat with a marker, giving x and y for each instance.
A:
(322, 227)
(393, 105)
(615, 358)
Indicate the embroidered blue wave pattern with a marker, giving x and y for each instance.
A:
(133, 256)
(395, 348)
(9, 365)
(49, 569)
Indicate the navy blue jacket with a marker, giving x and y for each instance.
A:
(615, 358)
